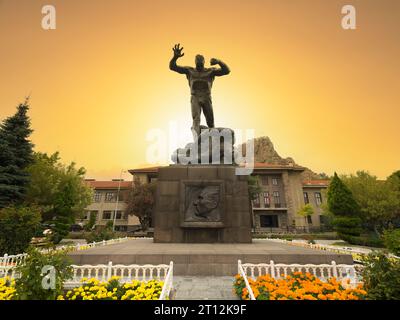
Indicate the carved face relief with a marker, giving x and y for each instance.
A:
(206, 201)
(202, 203)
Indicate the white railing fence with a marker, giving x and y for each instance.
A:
(15, 260)
(280, 270)
(243, 274)
(168, 283)
(8, 263)
(79, 246)
(12, 260)
(357, 253)
(104, 272)
(126, 273)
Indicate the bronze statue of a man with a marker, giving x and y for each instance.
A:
(200, 82)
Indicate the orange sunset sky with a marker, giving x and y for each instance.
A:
(326, 96)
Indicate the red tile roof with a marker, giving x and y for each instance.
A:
(263, 165)
(145, 170)
(108, 184)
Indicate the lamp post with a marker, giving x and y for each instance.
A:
(116, 203)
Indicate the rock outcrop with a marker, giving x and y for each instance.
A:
(264, 152)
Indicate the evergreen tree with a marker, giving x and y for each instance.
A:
(340, 199)
(15, 155)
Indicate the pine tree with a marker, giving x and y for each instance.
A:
(15, 155)
(340, 199)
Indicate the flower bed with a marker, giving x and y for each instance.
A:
(93, 289)
(7, 288)
(298, 286)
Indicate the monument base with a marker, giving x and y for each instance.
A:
(202, 204)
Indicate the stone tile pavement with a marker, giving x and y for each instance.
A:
(203, 288)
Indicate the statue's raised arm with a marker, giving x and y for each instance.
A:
(177, 54)
(222, 71)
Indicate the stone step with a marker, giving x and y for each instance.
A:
(203, 288)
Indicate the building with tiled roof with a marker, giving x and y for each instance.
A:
(109, 204)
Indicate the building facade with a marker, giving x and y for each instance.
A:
(283, 194)
(109, 205)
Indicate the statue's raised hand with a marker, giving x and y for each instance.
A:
(214, 61)
(178, 51)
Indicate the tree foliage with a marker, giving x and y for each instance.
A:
(381, 277)
(17, 227)
(379, 200)
(15, 155)
(391, 239)
(59, 190)
(306, 211)
(141, 202)
(340, 199)
(254, 187)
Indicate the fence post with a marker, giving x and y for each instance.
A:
(272, 268)
(109, 270)
(334, 267)
(5, 259)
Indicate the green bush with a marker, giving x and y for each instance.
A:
(381, 277)
(89, 226)
(32, 285)
(365, 240)
(347, 226)
(101, 233)
(391, 239)
(77, 235)
(17, 227)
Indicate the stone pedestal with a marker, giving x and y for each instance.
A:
(202, 204)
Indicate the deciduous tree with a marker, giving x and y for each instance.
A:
(59, 190)
(141, 202)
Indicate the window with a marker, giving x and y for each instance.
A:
(97, 196)
(309, 219)
(256, 201)
(264, 180)
(277, 199)
(318, 198)
(107, 215)
(274, 181)
(121, 228)
(267, 200)
(111, 196)
(120, 215)
(306, 200)
(269, 221)
(86, 215)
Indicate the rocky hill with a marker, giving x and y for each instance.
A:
(265, 152)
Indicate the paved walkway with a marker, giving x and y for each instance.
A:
(203, 288)
(207, 259)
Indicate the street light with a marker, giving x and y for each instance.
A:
(116, 203)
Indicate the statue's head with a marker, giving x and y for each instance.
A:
(207, 201)
(199, 60)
